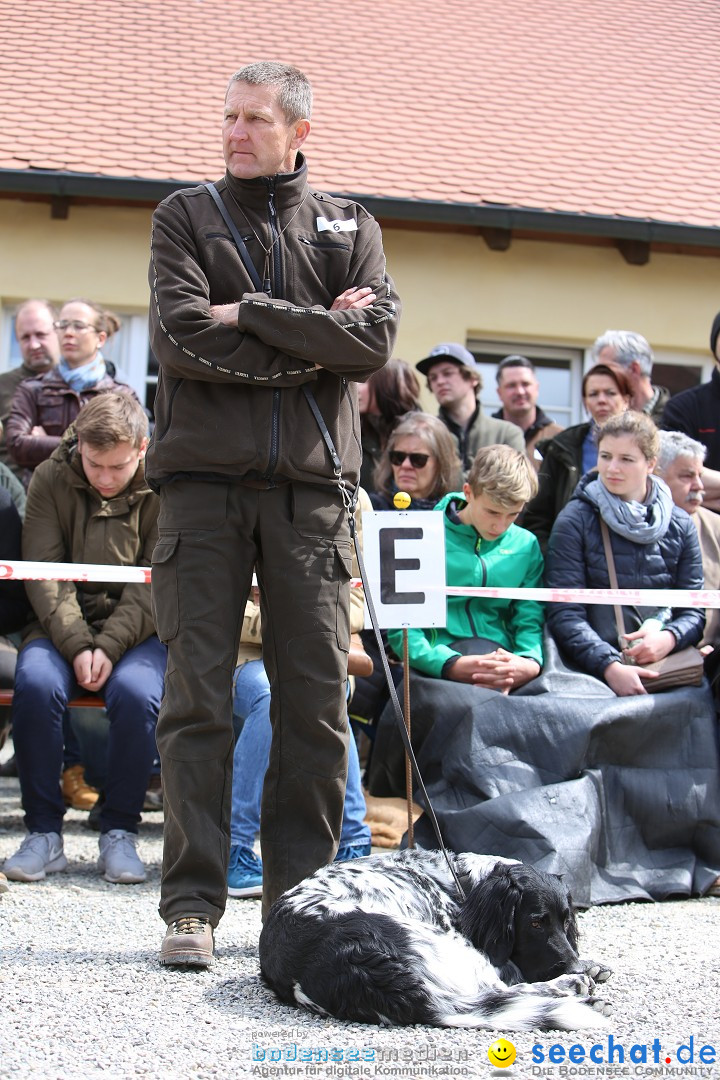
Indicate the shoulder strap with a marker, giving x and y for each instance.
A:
(239, 242)
(619, 617)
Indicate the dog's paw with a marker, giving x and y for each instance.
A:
(576, 983)
(599, 1005)
(597, 972)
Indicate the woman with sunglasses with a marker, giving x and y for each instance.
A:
(421, 459)
(43, 408)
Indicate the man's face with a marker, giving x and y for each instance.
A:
(257, 139)
(684, 478)
(36, 335)
(448, 384)
(110, 471)
(517, 389)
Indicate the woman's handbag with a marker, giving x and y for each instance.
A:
(682, 668)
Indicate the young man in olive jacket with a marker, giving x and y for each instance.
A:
(89, 503)
(247, 479)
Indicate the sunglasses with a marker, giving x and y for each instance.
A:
(418, 461)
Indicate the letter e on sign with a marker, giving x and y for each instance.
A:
(404, 555)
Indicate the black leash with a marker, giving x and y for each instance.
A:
(349, 498)
(399, 717)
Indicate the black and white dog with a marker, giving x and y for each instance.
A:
(387, 940)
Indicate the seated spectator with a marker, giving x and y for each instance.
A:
(14, 606)
(455, 379)
(633, 354)
(386, 396)
(518, 390)
(572, 453)
(494, 643)
(43, 408)
(680, 464)
(654, 546)
(40, 351)
(421, 459)
(89, 503)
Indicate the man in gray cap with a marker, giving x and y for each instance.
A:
(454, 378)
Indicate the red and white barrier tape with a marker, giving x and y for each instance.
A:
(16, 570)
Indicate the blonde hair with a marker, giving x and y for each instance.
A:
(503, 474)
(638, 426)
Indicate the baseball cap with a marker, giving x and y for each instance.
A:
(449, 351)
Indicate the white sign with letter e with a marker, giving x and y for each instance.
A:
(404, 555)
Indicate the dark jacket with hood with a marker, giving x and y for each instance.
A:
(67, 520)
(586, 634)
(230, 399)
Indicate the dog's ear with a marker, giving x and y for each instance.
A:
(487, 917)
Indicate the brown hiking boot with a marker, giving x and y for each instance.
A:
(188, 943)
(75, 792)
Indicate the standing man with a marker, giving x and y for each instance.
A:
(455, 380)
(40, 350)
(695, 412)
(632, 352)
(518, 389)
(256, 354)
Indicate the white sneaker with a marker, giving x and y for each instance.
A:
(119, 862)
(39, 854)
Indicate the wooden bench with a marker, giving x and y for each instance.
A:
(83, 701)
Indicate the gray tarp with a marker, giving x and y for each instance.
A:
(621, 796)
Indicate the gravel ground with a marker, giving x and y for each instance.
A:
(82, 993)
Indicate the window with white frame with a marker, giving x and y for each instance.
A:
(558, 369)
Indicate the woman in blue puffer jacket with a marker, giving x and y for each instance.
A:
(654, 545)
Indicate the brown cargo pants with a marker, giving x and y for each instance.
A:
(211, 536)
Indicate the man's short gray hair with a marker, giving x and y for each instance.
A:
(628, 347)
(293, 87)
(675, 444)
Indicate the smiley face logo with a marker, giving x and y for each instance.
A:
(501, 1053)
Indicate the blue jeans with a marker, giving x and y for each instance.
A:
(44, 683)
(251, 703)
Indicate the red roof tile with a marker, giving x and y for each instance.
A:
(608, 107)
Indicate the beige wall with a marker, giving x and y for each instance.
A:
(453, 287)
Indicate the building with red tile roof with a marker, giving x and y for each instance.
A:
(476, 130)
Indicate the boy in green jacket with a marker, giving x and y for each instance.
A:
(490, 642)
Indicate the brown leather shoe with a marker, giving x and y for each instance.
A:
(188, 943)
(75, 792)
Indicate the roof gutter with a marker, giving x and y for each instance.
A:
(64, 185)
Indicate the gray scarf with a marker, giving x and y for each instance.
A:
(641, 523)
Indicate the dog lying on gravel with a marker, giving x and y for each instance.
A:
(388, 940)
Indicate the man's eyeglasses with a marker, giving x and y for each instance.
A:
(418, 461)
(74, 324)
